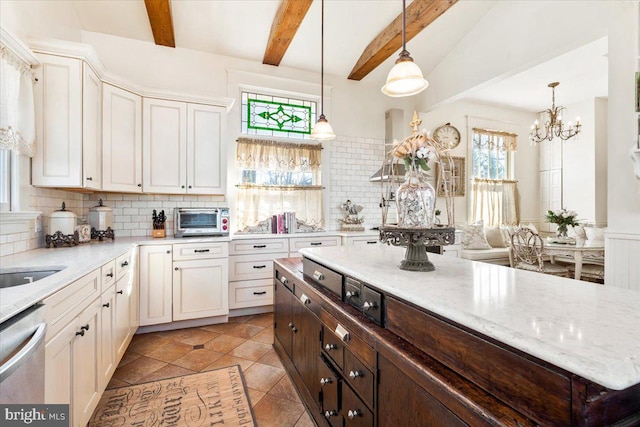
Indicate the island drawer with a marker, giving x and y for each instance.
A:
(330, 383)
(333, 346)
(355, 412)
(323, 276)
(249, 267)
(359, 376)
(255, 246)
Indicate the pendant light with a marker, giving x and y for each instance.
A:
(405, 78)
(322, 131)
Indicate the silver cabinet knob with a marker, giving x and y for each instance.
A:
(324, 381)
(354, 413)
(318, 275)
(305, 299)
(351, 294)
(291, 325)
(330, 347)
(331, 413)
(284, 280)
(355, 374)
(368, 305)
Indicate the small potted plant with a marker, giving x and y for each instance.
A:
(562, 218)
(158, 224)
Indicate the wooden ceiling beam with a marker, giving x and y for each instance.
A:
(159, 12)
(419, 14)
(284, 27)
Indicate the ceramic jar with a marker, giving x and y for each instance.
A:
(416, 201)
(101, 217)
(63, 221)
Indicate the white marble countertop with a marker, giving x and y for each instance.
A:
(78, 261)
(588, 329)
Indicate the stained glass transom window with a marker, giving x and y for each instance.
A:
(277, 116)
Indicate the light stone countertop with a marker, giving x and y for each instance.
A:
(588, 329)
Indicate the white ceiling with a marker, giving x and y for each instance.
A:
(240, 28)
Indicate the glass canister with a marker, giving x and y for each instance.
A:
(416, 201)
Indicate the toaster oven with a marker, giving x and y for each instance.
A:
(189, 222)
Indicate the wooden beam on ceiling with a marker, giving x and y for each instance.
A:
(284, 27)
(159, 12)
(419, 14)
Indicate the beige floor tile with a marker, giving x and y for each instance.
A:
(228, 360)
(255, 396)
(271, 358)
(265, 320)
(266, 336)
(272, 411)
(167, 371)
(171, 351)
(245, 331)
(198, 359)
(305, 420)
(262, 377)
(129, 356)
(116, 383)
(224, 343)
(133, 371)
(242, 319)
(147, 344)
(194, 336)
(285, 389)
(251, 350)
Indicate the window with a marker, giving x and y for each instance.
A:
(277, 177)
(277, 116)
(5, 180)
(494, 195)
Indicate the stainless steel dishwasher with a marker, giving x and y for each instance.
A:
(22, 357)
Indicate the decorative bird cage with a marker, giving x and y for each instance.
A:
(416, 198)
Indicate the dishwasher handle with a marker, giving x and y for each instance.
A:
(11, 365)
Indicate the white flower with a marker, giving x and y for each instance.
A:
(424, 153)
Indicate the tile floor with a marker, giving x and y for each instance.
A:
(245, 341)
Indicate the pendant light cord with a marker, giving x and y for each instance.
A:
(404, 26)
(322, 62)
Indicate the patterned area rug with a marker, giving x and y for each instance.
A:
(209, 398)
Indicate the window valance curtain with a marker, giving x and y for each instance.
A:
(494, 202)
(504, 141)
(276, 155)
(17, 111)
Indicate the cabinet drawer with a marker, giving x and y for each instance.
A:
(188, 251)
(67, 303)
(359, 376)
(249, 267)
(123, 264)
(363, 241)
(355, 412)
(252, 293)
(330, 388)
(333, 346)
(108, 273)
(297, 243)
(323, 276)
(252, 247)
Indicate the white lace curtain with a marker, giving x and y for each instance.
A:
(494, 202)
(17, 113)
(493, 139)
(258, 202)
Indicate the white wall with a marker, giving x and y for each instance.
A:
(55, 19)
(465, 115)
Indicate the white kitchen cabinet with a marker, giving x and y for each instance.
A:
(125, 322)
(121, 140)
(156, 277)
(107, 335)
(164, 146)
(200, 288)
(86, 361)
(367, 240)
(68, 124)
(183, 148)
(206, 154)
(297, 243)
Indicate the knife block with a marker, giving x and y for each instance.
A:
(159, 233)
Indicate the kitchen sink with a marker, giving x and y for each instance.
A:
(21, 276)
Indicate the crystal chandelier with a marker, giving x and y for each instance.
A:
(554, 126)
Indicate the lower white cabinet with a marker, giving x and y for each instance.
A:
(183, 281)
(367, 240)
(107, 364)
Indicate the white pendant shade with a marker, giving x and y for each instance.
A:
(322, 131)
(404, 79)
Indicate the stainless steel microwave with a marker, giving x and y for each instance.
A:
(189, 222)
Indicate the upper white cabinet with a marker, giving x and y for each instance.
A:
(121, 140)
(183, 147)
(68, 124)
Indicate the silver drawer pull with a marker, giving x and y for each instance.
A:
(368, 305)
(351, 294)
(318, 275)
(259, 266)
(331, 413)
(354, 413)
(355, 374)
(324, 381)
(342, 333)
(284, 280)
(330, 347)
(305, 299)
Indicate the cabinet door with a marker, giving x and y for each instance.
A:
(155, 284)
(58, 106)
(107, 336)
(91, 129)
(164, 146)
(200, 288)
(206, 158)
(86, 362)
(58, 367)
(282, 303)
(121, 140)
(306, 345)
(123, 332)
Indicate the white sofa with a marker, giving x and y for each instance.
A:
(499, 256)
(490, 244)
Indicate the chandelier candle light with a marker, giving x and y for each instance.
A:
(554, 127)
(405, 78)
(322, 131)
